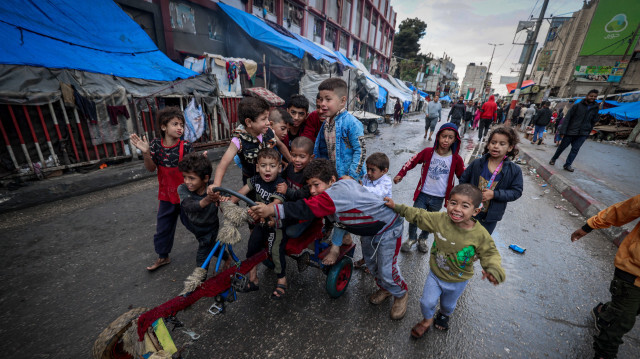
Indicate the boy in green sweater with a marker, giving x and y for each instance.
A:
(459, 240)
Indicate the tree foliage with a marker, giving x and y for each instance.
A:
(405, 43)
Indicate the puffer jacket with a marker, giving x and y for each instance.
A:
(580, 119)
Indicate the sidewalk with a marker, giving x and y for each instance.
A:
(75, 184)
(604, 174)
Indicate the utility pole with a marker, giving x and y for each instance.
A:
(486, 80)
(523, 70)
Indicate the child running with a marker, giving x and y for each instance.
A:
(354, 209)
(459, 240)
(164, 153)
(496, 175)
(254, 135)
(200, 210)
(439, 165)
(341, 140)
(377, 182)
(264, 185)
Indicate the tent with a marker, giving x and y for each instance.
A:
(512, 86)
(380, 92)
(624, 112)
(394, 92)
(445, 98)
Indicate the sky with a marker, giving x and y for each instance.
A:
(463, 29)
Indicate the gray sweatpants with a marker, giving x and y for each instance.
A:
(381, 256)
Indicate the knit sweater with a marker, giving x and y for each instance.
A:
(455, 249)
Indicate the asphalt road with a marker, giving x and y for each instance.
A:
(73, 266)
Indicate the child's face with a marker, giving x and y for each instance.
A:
(499, 145)
(173, 129)
(268, 168)
(260, 125)
(446, 138)
(317, 186)
(374, 173)
(460, 209)
(280, 129)
(194, 182)
(298, 115)
(300, 158)
(331, 103)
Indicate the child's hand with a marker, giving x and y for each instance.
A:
(271, 222)
(214, 197)
(262, 210)
(579, 233)
(253, 215)
(210, 189)
(487, 195)
(282, 188)
(489, 277)
(140, 143)
(397, 179)
(389, 203)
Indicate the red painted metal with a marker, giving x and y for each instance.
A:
(151, 118)
(84, 141)
(15, 124)
(44, 126)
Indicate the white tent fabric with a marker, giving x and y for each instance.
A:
(393, 92)
(311, 79)
(372, 85)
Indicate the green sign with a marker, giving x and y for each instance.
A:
(611, 27)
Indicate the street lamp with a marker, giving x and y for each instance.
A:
(486, 80)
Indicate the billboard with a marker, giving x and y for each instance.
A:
(613, 23)
(556, 24)
(543, 60)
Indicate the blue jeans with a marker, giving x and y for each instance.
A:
(489, 226)
(575, 142)
(431, 204)
(380, 253)
(436, 289)
(538, 132)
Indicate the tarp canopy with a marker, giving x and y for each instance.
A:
(381, 94)
(512, 86)
(445, 98)
(95, 36)
(625, 112)
(345, 61)
(395, 92)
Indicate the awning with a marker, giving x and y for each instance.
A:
(512, 86)
(94, 36)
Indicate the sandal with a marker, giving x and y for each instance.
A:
(280, 290)
(442, 322)
(250, 287)
(419, 329)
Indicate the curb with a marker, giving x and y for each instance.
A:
(76, 184)
(584, 203)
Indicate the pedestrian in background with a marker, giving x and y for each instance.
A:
(488, 114)
(576, 127)
(457, 112)
(434, 110)
(528, 115)
(476, 115)
(540, 121)
(468, 117)
(396, 111)
(617, 317)
(516, 117)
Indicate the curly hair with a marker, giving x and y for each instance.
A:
(197, 163)
(512, 136)
(321, 169)
(167, 114)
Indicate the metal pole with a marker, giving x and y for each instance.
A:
(486, 80)
(523, 70)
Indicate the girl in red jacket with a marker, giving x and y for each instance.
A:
(439, 164)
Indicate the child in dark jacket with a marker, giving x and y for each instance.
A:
(439, 164)
(499, 179)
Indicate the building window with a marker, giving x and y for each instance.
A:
(293, 14)
(343, 40)
(356, 29)
(182, 17)
(317, 27)
(346, 13)
(367, 12)
(333, 11)
(317, 4)
(354, 49)
(269, 5)
(330, 35)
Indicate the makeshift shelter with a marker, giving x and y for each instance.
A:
(394, 92)
(405, 90)
(625, 112)
(376, 91)
(67, 70)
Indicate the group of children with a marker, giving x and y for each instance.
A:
(323, 176)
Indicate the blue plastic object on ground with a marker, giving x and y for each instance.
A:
(517, 249)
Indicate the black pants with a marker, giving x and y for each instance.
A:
(276, 242)
(485, 123)
(207, 239)
(167, 220)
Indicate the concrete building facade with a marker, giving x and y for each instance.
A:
(474, 78)
(360, 29)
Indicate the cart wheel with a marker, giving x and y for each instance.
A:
(372, 127)
(109, 343)
(339, 277)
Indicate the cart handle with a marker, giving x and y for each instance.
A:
(236, 194)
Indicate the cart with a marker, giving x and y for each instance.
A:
(141, 330)
(369, 120)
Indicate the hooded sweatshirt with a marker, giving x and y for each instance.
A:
(424, 157)
(489, 109)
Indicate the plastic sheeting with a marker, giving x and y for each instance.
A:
(624, 112)
(95, 36)
(379, 92)
(394, 92)
(311, 79)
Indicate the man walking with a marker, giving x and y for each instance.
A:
(528, 115)
(434, 109)
(488, 114)
(457, 112)
(576, 127)
(541, 119)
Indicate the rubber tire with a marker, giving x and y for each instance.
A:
(103, 346)
(338, 277)
(372, 127)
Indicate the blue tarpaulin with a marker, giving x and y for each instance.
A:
(445, 98)
(345, 61)
(625, 112)
(94, 36)
(382, 97)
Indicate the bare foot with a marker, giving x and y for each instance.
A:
(330, 259)
(346, 239)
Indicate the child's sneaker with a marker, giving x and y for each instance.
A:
(379, 296)
(406, 246)
(399, 307)
(423, 246)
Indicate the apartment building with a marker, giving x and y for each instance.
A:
(473, 81)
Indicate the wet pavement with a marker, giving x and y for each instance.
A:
(71, 267)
